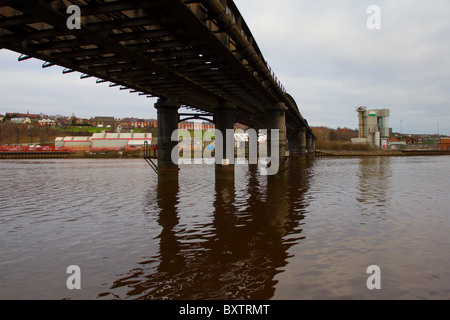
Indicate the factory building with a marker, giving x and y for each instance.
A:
(119, 140)
(73, 143)
(373, 127)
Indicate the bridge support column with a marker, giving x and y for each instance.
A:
(309, 144)
(277, 120)
(167, 110)
(302, 142)
(297, 144)
(292, 145)
(225, 156)
(253, 153)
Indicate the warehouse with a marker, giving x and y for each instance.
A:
(74, 143)
(119, 140)
(104, 141)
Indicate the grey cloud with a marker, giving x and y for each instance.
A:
(331, 63)
(321, 51)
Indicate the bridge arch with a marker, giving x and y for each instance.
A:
(195, 118)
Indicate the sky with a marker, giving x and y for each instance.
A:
(323, 52)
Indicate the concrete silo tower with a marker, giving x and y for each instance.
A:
(373, 127)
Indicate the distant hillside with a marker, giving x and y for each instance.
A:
(330, 135)
(336, 139)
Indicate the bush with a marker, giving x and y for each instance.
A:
(342, 146)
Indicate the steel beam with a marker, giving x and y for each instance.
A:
(198, 51)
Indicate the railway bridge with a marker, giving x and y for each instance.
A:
(196, 54)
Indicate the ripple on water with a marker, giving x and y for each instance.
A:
(310, 233)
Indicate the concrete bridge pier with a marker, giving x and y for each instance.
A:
(252, 148)
(167, 111)
(302, 142)
(225, 156)
(310, 144)
(297, 144)
(301, 137)
(276, 116)
(292, 145)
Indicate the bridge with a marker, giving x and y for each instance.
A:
(197, 54)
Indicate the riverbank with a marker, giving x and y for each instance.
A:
(71, 155)
(380, 153)
(139, 154)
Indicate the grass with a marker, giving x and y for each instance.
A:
(83, 129)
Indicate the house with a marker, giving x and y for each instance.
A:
(32, 117)
(126, 122)
(143, 123)
(46, 122)
(444, 144)
(103, 121)
(240, 126)
(199, 126)
(187, 125)
(80, 121)
(138, 123)
(396, 144)
(21, 120)
(208, 126)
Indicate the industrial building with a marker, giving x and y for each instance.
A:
(373, 127)
(73, 143)
(119, 140)
(104, 141)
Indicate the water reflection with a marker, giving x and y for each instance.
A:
(236, 253)
(374, 186)
(170, 259)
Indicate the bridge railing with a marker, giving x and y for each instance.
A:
(236, 16)
(233, 12)
(149, 151)
(275, 77)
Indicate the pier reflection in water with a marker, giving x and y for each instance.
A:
(234, 243)
(374, 185)
(310, 234)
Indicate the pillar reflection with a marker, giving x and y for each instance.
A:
(374, 184)
(236, 254)
(168, 219)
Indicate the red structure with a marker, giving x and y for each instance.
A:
(19, 148)
(444, 144)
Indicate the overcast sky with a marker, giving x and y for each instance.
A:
(321, 50)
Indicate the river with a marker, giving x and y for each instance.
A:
(310, 233)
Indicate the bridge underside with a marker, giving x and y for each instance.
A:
(199, 52)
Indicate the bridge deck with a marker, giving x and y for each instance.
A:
(200, 52)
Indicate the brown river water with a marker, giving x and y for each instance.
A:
(310, 233)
